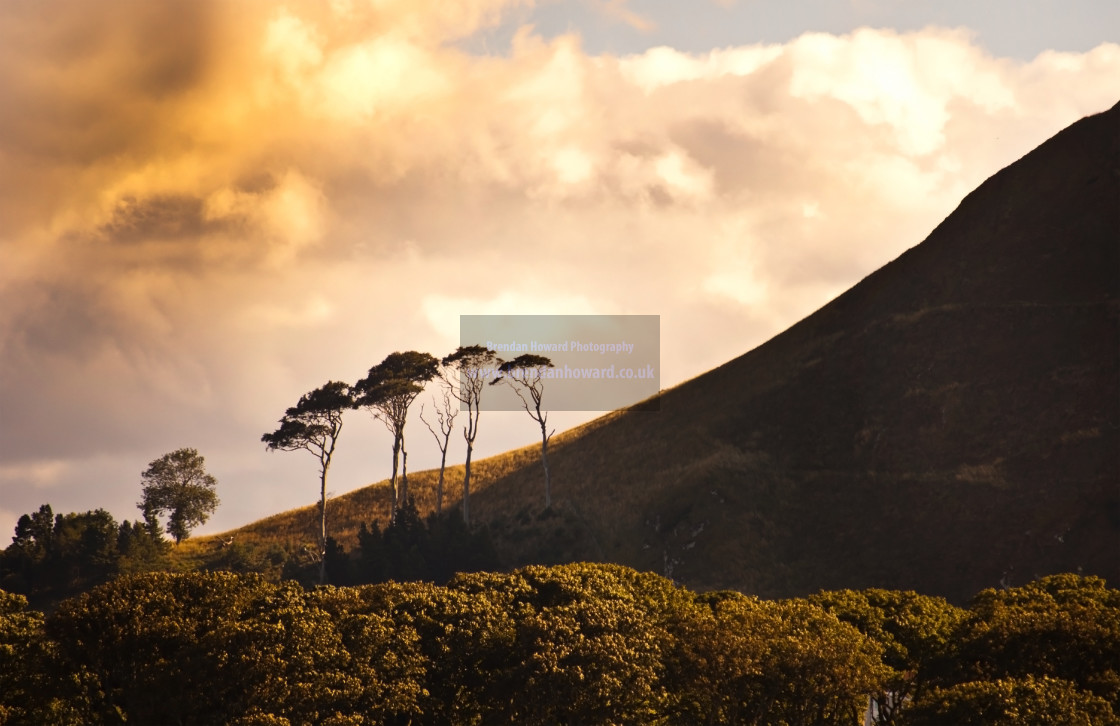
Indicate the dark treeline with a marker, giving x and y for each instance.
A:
(53, 557)
(411, 548)
(572, 644)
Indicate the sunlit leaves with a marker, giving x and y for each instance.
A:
(141, 641)
(573, 644)
(743, 660)
(21, 649)
(1063, 626)
(1011, 702)
(916, 633)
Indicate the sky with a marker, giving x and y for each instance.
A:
(208, 209)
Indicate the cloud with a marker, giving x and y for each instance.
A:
(903, 82)
(442, 311)
(40, 474)
(207, 209)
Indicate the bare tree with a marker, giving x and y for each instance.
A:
(473, 365)
(446, 410)
(387, 392)
(314, 425)
(525, 374)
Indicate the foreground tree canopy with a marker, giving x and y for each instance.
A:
(573, 644)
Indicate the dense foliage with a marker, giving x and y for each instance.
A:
(56, 556)
(411, 548)
(177, 485)
(573, 644)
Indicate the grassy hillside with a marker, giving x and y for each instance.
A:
(950, 423)
(296, 528)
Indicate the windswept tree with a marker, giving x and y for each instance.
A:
(446, 409)
(525, 374)
(387, 392)
(467, 370)
(314, 424)
(177, 485)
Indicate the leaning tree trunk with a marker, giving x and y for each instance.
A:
(393, 480)
(439, 483)
(323, 527)
(404, 475)
(467, 486)
(544, 461)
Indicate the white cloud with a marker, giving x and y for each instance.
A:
(663, 66)
(293, 44)
(903, 81)
(443, 311)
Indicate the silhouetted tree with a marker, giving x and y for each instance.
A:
(339, 565)
(177, 484)
(525, 374)
(78, 551)
(467, 370)
(85, 547)
(411, 548)
(406, 545)
(387, 391)
(371, 554)
(21, 566)
(35, 532)
(140, 551)
(446, 411)
(457, 548)
(314, 424)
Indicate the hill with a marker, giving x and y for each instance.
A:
(948, 424)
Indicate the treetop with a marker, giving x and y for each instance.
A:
(471, 356)
(331, 396)
(400, 374)
(526, 361)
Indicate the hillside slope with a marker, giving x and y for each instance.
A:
(948, 424)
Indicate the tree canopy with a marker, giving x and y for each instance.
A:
(388, 390)
(578, 643)
(177, 485)
(468, 370)
(314, 424)
(525, 374)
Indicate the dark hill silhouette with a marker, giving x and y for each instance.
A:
(948, 424)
